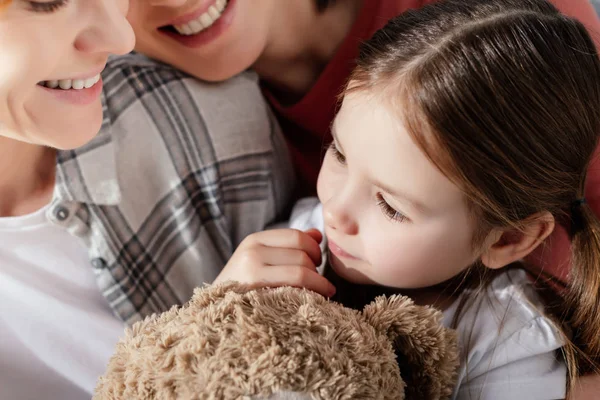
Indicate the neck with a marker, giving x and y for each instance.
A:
(301, 44)
(26, 177)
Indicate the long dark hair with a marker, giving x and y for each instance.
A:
(504, 97)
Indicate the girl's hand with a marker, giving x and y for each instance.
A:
(280, 257)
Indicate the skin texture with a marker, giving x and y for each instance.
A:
(34, 120)
(391, 217)
(250, 33)
(245, 37)
(370, 204)
(84, 33)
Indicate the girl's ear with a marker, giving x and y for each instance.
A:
(505, 246)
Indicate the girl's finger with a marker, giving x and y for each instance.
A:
(276, 256)
(297, 276)
(287, 238)
(315, 234)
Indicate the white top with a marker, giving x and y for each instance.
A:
(57, 332)
(511, 353)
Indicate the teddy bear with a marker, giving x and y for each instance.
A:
(233, 342)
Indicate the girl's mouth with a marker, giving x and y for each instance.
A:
(339, 252)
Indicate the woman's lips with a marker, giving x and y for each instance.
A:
(79, 97)
(206, 36)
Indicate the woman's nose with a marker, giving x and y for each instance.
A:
(108, 31)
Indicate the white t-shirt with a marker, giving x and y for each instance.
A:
(507, 346)
(57, 331)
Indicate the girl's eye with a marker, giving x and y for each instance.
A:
(336, 153)
(46, 6)
(390, 212)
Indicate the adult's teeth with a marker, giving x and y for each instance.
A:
(65, 84)
(204, 21)
(214, 13)
(90, 82)
(76, 84)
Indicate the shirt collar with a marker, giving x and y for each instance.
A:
(88, 174)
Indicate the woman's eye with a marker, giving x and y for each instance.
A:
(46, 6)
(389, 211)
(336, 153)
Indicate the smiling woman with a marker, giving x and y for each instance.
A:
(49, 84)
(50, 98)
(119, 195)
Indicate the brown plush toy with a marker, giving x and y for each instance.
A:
(230, 342)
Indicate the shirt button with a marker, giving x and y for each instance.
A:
(61, 213)
(98, 263)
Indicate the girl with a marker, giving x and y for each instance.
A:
(303, 52)
(145, 203)
(463, 139)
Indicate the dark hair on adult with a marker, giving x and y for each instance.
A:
(504, 97)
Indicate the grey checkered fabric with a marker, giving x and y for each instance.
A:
(179, 174)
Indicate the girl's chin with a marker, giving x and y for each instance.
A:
(346, 272)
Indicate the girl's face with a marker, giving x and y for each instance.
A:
(209, 39)
(391, 217)
(52, 54)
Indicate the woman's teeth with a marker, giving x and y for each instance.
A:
(204, 21)
(76, 84)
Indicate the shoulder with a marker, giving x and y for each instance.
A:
(142, 96)
(134, 81)
(509, 312)
(507, 342)
(511, 294)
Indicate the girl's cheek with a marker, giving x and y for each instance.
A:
(323, 187)
(325, 182)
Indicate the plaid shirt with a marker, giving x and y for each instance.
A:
(179, 174)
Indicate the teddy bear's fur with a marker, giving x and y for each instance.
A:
(230, 342)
